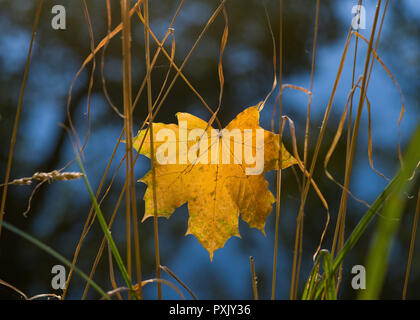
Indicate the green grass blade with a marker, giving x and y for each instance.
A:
(104, 227)
(364, 222)
(327, 263)
(312, 282)
(359, 229)
(389, 223)
(395, 188)
(55, 254)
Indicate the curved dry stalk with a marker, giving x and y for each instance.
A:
(108, 38)
(163, 281)
(300, 163)
(103, 43)
(267, 18)
(42, 295)
(91, 79)
(370, 147)
(314, 185)
(222, 49)
(6, 284)
(376, 56)
(335, 142)
(144, 283)
(169, 271)
(415, 171)
(295, 87)
(179, 70)
(46, 295)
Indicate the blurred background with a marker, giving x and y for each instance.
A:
(59, 210)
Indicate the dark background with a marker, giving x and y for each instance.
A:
(59, 209)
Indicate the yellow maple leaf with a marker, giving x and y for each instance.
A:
(219, 173)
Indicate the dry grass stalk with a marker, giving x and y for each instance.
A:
(46, 176)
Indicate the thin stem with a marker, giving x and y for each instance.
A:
(278, 186)
(127, 131)
(104, 227)
(254, 278)
(18, 112)
(413, 239)
(305, 149)
(173, 275)
(350, 156)
(152, 159)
